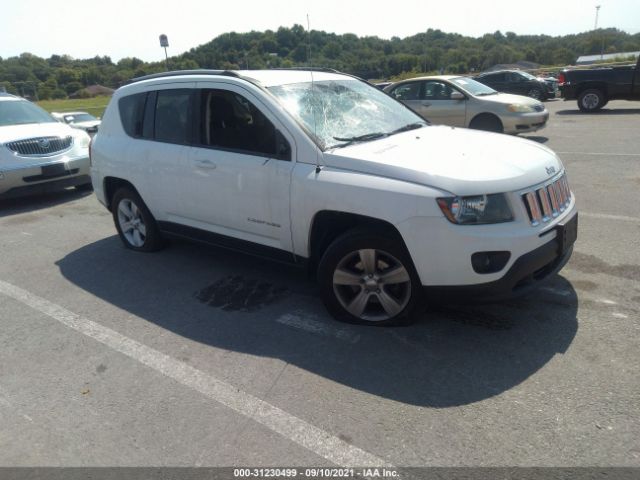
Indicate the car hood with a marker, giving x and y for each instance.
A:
(508, 99)
(459, 161)
(11, 133)
(88, 124)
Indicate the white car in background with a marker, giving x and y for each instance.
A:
(82, 120)
(38, 153)
(463, 102)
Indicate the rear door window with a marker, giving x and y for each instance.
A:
(407, 91)
(173, 116)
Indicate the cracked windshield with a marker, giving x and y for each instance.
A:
(337, 113)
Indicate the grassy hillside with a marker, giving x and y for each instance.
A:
(95, 106)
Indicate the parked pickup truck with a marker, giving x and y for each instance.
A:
(594, 87)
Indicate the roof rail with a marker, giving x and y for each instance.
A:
(309, 69)
(176, 73)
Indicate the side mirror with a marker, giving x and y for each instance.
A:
(455, 95)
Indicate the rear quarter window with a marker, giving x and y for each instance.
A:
(132, 113)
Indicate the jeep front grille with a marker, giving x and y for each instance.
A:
(547, 202)
(40, 146)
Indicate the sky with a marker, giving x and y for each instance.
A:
(130, 28)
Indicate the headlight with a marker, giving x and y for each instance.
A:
(83, 140)
(476, 209)
(520, 108)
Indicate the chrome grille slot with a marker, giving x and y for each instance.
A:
(547, 202)
(543, 196)
(40, 146)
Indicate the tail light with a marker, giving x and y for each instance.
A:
(561, 79)
(90, 147)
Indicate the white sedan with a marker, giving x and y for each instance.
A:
(82, 120)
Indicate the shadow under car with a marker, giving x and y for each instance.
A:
(453, 355)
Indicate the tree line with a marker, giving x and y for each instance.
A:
(367, 57)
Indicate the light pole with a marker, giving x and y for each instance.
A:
(164, 43)
(597, 12)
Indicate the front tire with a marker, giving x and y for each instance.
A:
(487, 122)
(366, 277)
(535, 93)
(135, 224)
(591, 100)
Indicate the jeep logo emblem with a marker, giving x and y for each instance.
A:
(550, 170)
(44, 143)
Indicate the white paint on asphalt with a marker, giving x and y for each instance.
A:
(620, 315)
(607, 301)
(606, 216)
(303, 322)
(293, 428)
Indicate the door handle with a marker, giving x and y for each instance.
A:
(426, 104)
(205, 163)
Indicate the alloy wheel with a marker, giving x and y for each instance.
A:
(590, 101)
(131, 223)
(372, 285)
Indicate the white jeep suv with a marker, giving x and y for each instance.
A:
(323, 169)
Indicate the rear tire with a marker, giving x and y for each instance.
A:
(487, 122)
(591, 100)
(367, 277)
(135, 224)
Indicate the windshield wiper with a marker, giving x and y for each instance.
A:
(406, 128)
(484, 94)
(375, 135)
(359, 138)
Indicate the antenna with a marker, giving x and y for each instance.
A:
(308, 42)
(313, 92)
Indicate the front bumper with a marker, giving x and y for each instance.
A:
(22, 179)
(523, 123)
(526, 273)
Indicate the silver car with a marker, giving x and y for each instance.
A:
(463, 102)
(38, 154)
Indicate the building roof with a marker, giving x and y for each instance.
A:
(586, 59)
(521, 65)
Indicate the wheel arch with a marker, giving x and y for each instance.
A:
(327, 225)
(602, 86)
(111, 186)
(488, 115)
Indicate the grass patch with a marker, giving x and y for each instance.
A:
(95, 106)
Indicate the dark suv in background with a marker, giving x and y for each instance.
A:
(519, 83)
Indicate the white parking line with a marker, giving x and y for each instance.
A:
(293, 428)
(606, 216)
(303, 322)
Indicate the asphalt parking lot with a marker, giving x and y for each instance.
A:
(200, 357)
